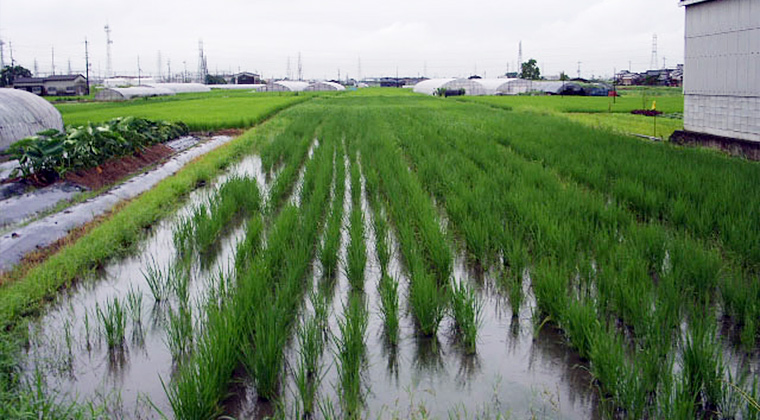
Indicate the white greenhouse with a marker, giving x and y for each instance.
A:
(324, 86)
(287, 86)
(24, 114)
(125, 94)
(255, 87)
(180, 87)
(430, 86)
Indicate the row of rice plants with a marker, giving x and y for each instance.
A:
(356, 257)
(552, 214)
(263, 307)
(328, 253)
(423, 245)
(199, 230)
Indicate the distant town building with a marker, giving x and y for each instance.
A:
(244, 78)
(722, 69)
(658, 77)
(64, 85)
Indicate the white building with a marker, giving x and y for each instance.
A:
(722, 68)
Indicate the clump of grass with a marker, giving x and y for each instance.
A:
(134, 302)
(350, 353)
(264, 359)
(157, 281)
(428, 302)
(308, 374)
(467, 310)
(113, 321)
(388, 290)
(179, 332)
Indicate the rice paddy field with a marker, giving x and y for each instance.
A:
(201, 112)
(373, 255)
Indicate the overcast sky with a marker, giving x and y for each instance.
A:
(414, 37)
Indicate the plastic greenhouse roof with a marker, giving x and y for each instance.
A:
(325, 86)
(428, 87)
(132, 92)
(292, 85)
(24, 114)
(180, 87)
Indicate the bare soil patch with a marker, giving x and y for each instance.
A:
(115, 169)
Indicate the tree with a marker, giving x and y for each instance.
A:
(563, 76)
(530, 70)
(215, 80)
(8, 74)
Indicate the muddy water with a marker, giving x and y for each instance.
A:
(75, 360)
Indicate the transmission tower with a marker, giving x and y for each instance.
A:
(300, 67)
(519, 57)
(108, 50)
(202, 67)
(653, 63)
(159, 70)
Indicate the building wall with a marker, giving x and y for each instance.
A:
(722, 68)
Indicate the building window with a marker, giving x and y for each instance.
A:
(52, 90)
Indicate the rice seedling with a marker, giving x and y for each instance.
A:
(467, 310)
(350, 354)
(387, 288)
(113, 321)
(357, 251)
(308, 374)
(134, 303)
(264, 359)
(251, 244)
(179, 282)
(157, 281)
(328, 253)
(428, 303)
(179, 332)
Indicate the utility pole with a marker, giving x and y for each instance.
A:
(10, 47)
(184, 75)
(139, 72)
(86, 64)
(52, 61)
(36, 68)
(169, 69)
(69, 66)
(2, 55)
(579, 69)
(108, 50)
(664, 62)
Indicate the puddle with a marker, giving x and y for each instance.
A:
(78, 361)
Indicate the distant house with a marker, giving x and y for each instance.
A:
(245, 78)
(64, 85)
(720, 76)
